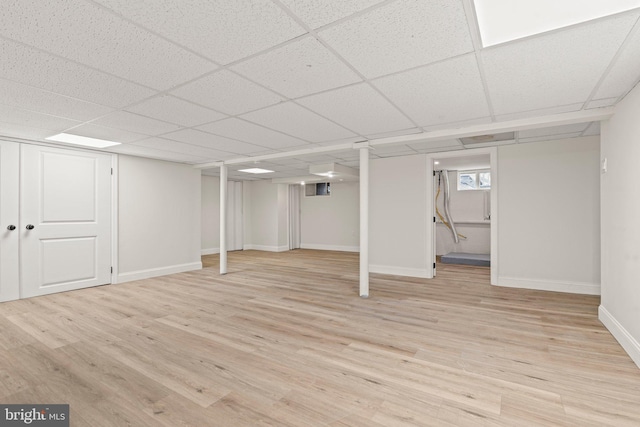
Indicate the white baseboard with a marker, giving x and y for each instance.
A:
(398, 271)
(266, 248)
(550, 285)
(155, 272)
(210, 251)
(330, 247)
(626, 340)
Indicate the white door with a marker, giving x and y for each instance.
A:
(234, 216)
(65, 221)
(9, 230)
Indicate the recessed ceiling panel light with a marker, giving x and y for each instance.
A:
(501, 21)
(255, 170)
(81, 140)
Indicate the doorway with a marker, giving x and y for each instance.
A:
(56, 215)
(472, 179)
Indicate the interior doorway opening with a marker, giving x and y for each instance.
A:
(463, 202)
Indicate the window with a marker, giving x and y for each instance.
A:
(318, 189)
(474, 180)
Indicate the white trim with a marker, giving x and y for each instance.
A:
(161, 271)
(210, 251)
(399, 271)
(115, 161)
(266, 248)
(550, 285)
(338, 248)
(626, 340)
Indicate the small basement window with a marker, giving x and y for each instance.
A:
(474, 180)
(317, 189)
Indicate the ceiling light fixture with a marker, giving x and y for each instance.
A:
(331, 170)
(496, 137)
(255, 170)
(81, 140)
(501, 21)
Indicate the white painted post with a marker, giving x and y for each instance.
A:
(223, 219)
(364, 221)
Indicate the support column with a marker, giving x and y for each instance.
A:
(364, 221)
(223, 219)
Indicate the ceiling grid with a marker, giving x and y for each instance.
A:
(206, 81)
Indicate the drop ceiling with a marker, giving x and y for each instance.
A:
(208, 81)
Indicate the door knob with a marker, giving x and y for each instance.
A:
(11, 227)
(30, 227)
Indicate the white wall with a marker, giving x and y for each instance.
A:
(398, 217)
(332, 222)
(465, 206)
(263, 216)
(620, 307)
(549, 225)
(158, 219)
(210, 195)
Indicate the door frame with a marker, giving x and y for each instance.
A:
(431, 235)
(114, 193)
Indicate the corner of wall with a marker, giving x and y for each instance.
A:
(626, 340)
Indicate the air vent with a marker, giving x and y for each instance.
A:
(483, 139)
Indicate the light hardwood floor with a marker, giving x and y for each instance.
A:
(284, 340)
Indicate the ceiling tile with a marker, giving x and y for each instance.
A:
(42, 101)
(558, 68)
(624, 74)
(175, 110)
(543, 112)
(245, 26)
(458, 125)
(135, 123)
(317, 158)
(298, 69)
(83, 32)
(342, 141)
(227, 92)
(204, 139)
(34, 68)
(18, 116)
(316, 13)
(294, 120)
(249, 132)
(24, 132)
(401, 132)
(445, 92)
(22, 117)
(136, 150)
(359, 108)
(550, 137)
(394, 150)
(181, 147)
(600, 103)
(429, 146)
(107, 133)
(553, 130)
(401, 35)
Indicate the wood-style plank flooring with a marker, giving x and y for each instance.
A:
(284, 340)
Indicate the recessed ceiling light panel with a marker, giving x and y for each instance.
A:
(255, 170)
(501, 21)
(82, 140)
